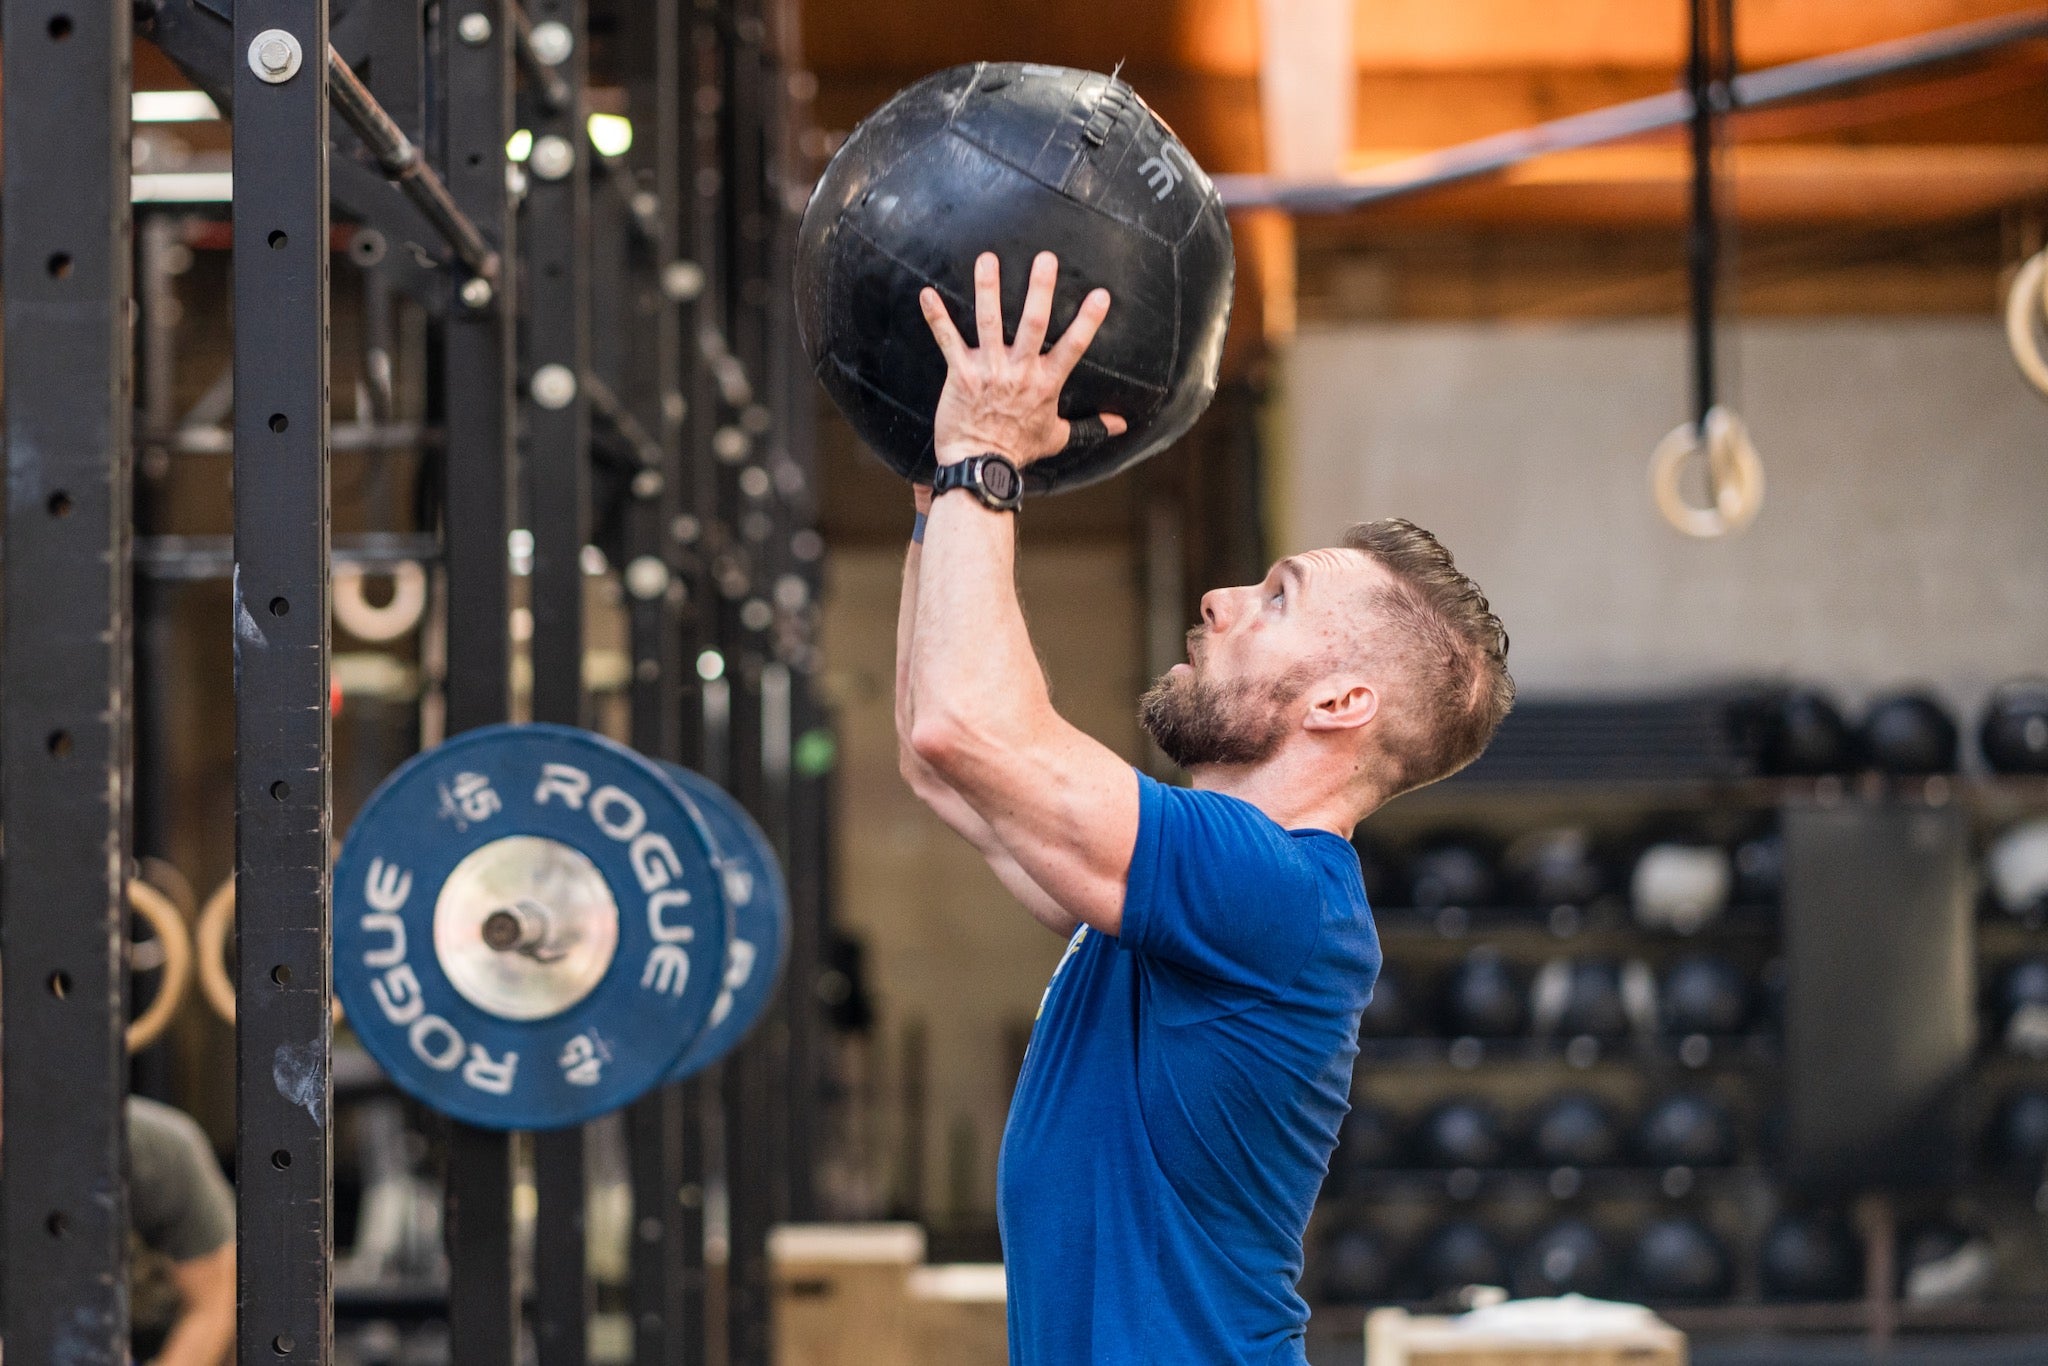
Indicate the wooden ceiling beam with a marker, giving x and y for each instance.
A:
(1222, 36)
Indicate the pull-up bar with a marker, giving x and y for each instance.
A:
(402, 162)
(1488, 155)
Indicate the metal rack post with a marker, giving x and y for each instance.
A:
(64, 717)
(283, 811)
(557, 279)
(476, 411)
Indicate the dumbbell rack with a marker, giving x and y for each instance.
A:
(1747, 1071)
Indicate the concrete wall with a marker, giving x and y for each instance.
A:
(1904, 534)
(946, 944)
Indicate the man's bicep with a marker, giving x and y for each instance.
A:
(1066, 808)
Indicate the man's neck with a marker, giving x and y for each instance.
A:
(1297, 791)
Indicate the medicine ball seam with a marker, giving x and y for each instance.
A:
(1059, 189)
(1083, 364)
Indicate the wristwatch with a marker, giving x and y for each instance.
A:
(991, 478)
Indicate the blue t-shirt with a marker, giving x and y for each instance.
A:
(1181, 1096)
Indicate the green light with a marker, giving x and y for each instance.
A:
(519, 146)
(816, 752)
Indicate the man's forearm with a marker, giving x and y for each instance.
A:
(971, 661)
(205, 1330)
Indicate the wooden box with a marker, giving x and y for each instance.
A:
(1393, 1337)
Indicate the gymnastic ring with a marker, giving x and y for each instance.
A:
(355, 613)
(162, 915)
(2024, 305)
(1735, 476)
(214, 982)
(170, 879)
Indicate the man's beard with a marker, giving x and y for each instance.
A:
(1195, 721)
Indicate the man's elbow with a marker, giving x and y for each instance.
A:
(938, 740)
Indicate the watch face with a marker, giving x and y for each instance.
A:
(1000, 478)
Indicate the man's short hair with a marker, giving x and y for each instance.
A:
(1453, 648)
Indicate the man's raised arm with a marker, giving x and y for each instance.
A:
(1063, 805)
(933, 790)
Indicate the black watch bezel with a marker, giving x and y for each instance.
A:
(972, 474)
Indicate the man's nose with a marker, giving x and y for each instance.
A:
(1215, 608)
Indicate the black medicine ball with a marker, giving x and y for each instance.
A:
(1575, 1129)
(1677, 1258)
(1356, 1267)
(1555, 867)
(2019, 1132)
(1568, 1258)
(2023, 1007)
(1466, 1132)
(1760, 868)
(1016, 158)
(1485, 997)
(1459, 1253)
(1804, 734)
(1687, 1130)
(1908, 734)
(1944, 1263)
(1704, 994)
(1452, 871)
(1573, 996)
(2014, 732)
(1810, 1257)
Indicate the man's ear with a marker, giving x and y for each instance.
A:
(1347, 705)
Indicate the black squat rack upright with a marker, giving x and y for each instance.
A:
(609, 393)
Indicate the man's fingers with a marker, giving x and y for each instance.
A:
(941, 323)
(1037, 316)
(1066, 352)
(988, 300)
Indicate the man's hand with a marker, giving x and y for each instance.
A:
(1001, 398)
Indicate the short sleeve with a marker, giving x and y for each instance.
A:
(179, 1202)
(1218, 890)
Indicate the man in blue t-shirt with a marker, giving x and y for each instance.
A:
(1192, 1056)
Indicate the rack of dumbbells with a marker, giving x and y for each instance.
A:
(560, 1061)
(1682, 1003)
